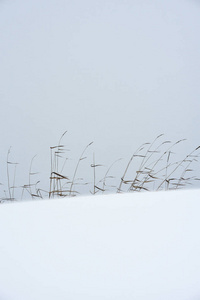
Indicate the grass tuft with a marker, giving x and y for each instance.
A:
(151, 167)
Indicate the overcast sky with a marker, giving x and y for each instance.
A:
(110, 71)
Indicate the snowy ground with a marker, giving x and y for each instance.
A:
(143, 246)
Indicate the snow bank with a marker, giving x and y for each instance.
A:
(126, 247)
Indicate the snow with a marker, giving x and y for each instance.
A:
(143, 246)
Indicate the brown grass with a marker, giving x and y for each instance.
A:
(156, 170)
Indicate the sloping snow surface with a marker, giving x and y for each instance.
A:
(130, 247)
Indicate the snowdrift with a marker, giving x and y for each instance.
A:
(115, 247)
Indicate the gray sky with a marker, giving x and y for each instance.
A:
(110, 71)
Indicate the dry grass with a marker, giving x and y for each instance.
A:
(156, 170)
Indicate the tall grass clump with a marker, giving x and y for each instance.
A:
(157, 170)
(152, 167)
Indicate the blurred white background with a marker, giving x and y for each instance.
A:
(115, 72)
